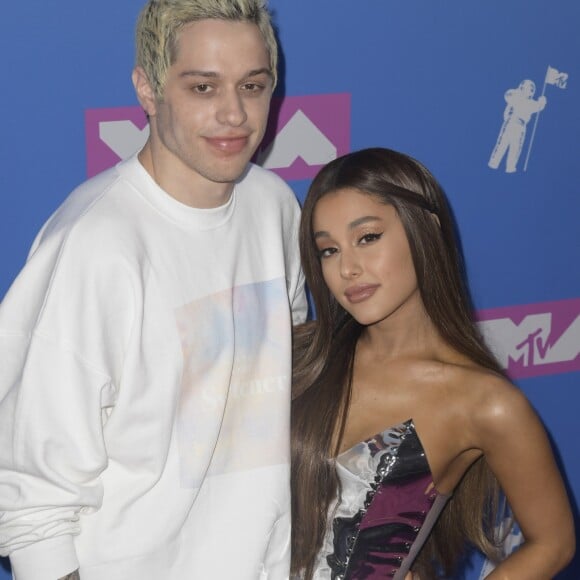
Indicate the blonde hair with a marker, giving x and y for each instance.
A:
(160, 21)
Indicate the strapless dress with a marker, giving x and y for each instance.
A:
(388, 507)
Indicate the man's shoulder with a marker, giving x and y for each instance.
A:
(98, 194)
(90, 214)
(79, 201)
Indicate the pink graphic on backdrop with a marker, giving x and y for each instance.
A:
(112, 135)
(535, 339)
(303, 134)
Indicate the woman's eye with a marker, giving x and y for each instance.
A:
(326, 252)
(369, 238)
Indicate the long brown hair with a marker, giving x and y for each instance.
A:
(324, 354)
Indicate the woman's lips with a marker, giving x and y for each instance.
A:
(359, 293)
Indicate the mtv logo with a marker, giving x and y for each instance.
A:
(113, 135)
(303, 134)
(533, 340)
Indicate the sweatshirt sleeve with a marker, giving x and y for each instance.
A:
(277, 561)
(62, 325)
(47, 559)
(296, 283)
(299, 301)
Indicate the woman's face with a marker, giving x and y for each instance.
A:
(365, 256)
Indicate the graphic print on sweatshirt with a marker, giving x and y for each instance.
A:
(234, 407)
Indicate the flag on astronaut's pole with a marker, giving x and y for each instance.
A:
(556, 78)
(553, 77)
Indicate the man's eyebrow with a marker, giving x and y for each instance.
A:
(199, 73)
(214, 75)
(260, 71)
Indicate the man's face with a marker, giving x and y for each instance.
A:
(215, 106)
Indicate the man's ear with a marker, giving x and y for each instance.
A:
(144, 91)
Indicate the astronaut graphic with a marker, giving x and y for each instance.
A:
(519, 109)
(520, 106)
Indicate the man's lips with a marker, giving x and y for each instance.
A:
(228, 144)
(359, 293)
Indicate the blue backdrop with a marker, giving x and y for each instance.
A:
(459, 85)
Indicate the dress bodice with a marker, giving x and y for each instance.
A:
(388, 506)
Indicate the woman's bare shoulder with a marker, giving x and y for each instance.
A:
(480, 394)
(493, 404)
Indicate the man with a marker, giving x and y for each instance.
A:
(145, 346)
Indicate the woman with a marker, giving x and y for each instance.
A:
(400, 411)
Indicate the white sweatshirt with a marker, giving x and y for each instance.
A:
(144, 385)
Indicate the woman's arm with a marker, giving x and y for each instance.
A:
(517, 450)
